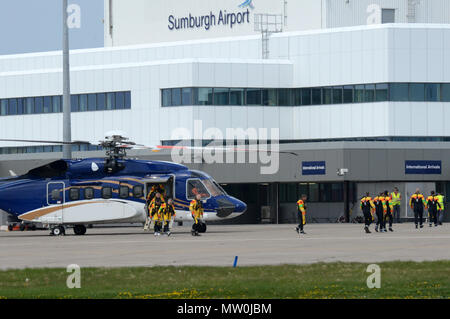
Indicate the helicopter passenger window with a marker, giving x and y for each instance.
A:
(124, 191)
(138, 191)
(56, 194)
(106, 192)
(88, 193)
(194, 187)
(74, 194)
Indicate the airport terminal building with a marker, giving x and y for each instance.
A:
(359, 90)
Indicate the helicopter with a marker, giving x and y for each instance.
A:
(78, 192)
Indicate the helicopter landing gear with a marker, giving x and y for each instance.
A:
(58, 231)
(79, 230)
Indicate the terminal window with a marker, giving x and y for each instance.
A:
(357, 93)
(387, 15)
(53, 104)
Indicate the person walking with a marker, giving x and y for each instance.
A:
(380, 211)
(433, 206)
(367, 207)
(418, 204)
(396, 204)
(301, 211)
(440, 208)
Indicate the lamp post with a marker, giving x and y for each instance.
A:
(67, 130)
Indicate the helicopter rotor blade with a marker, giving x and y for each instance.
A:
(158, 148)
(47, 142)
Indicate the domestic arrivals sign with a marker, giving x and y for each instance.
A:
(313, 168)
(423, 167)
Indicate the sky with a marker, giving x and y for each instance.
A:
(36, 25)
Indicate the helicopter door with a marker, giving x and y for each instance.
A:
(165, 181)
(55, 198)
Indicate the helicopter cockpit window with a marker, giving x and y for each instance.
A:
(194, 187)
(138, 191)
(213, 188)
(88, 193)
(124, 191)
(74, 194)
(106, 192)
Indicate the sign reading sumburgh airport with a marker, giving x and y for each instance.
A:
(212, 19)
(423, 167)
(313, 168)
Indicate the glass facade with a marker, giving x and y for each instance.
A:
(359, 93)
(78, 102)
(46, 149)
(316, 192)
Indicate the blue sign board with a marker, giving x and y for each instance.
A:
(313, 168)
(423, 167)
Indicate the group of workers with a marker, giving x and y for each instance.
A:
(161, 214)
(386, 207)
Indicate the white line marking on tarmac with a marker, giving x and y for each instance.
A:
(225, 240)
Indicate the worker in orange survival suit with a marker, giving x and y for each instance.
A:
(368, 208)
(301, 210)
(433, 207)
(380, 211)
(418, 204)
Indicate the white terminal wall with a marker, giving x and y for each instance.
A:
(384, 53)
(144, 21)
(147, 21)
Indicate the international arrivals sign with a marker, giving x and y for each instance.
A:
(313, 168)
(423, 167)
(212, 19)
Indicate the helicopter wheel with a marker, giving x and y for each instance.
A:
(58, 231)
(79, 229)
(202, 228)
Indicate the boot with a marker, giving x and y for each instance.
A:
(390, 229)
(367, 230)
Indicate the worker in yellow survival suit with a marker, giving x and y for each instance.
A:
(196, 208)
(301, 211)
(167, 211)
(154, 213)
(389, 210)
(440, 208)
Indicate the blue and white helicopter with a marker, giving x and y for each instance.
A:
(80, 192)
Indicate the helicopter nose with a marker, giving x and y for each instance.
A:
(241, 207)
(227, 206)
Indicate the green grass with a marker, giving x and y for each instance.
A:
(323, 280)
